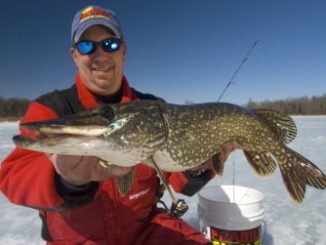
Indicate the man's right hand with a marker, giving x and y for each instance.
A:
(80, 170)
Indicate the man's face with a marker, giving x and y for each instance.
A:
(100, 71)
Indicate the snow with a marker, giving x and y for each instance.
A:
(285, 221)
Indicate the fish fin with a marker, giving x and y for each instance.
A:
(280, 123)
(218, 165)
(262, 162)
(297, 172)
(125, 183)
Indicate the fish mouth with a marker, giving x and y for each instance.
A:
(73, 133)
(25, 141)
(89, 123)
(98, 122)
(42, 139)
(73, 127)
(64, 128)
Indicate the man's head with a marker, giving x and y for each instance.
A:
(98, 49)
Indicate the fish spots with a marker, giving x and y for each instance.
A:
(179, 154)
(257, 157)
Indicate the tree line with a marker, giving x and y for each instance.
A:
(14, 108)
(315, 105)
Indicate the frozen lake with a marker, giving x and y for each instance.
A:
(286, 222)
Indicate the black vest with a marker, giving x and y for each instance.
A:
(66, 102)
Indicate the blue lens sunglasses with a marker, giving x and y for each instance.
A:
(109, 45)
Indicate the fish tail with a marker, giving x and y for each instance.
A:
(297, 172)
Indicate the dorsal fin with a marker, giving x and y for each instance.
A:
(280, 123)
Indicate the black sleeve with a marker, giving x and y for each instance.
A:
(196, 182)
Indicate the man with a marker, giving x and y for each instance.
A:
(77, 198)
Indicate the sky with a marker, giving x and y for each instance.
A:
(181, 50)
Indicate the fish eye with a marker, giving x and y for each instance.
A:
(118, 124)
(107, 112)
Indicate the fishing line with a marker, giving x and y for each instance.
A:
(230, 82)
(233, 177)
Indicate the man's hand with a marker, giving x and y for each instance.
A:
(80, 170)
(219, 158)
(227, 149)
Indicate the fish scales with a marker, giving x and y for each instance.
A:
(179, 137)
(196, 132)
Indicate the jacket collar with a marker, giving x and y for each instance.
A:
(87, 98)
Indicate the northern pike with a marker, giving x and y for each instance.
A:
(178, 137)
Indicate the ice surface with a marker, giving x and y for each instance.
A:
(285, 221)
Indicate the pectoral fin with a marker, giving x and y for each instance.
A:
(125, 183)
(262, 162)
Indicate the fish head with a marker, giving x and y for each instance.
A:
(135, 128)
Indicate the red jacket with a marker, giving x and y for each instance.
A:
(97, 214)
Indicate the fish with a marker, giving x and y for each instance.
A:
(172, 138)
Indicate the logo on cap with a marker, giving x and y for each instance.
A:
(91, 12)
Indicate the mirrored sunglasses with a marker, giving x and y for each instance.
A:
(108, 45)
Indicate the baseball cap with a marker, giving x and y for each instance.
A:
(94, 15)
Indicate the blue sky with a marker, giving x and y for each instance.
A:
(177, 49)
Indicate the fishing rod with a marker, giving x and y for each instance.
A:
(237, 70)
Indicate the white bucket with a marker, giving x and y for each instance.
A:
(231, 214)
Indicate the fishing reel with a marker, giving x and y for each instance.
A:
(178, 208)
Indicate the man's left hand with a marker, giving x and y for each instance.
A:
(217, 161)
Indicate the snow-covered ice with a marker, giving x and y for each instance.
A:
(286, 222)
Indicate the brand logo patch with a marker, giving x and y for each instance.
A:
(91, 12)
(137, 195)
